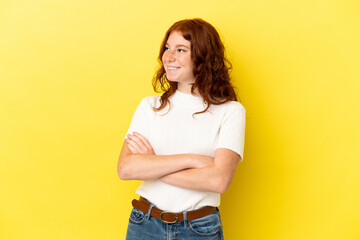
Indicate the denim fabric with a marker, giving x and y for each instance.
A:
(144, 227)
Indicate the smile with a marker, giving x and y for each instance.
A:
(172, 69)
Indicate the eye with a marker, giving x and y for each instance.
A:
(181, 50)
(166, 48)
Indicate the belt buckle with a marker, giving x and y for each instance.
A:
(176, 217)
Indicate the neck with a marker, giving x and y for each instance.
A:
(187, 99)
(186, 88)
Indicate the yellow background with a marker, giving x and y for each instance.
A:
(73, 72)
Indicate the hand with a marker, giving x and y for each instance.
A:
(137, 143)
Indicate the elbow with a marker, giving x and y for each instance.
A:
(221, 185)
(122, 173)
(221, 189)
(123, 170)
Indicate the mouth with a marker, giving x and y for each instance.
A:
(171, 69)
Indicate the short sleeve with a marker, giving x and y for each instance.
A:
(140, 121)
(232, 129)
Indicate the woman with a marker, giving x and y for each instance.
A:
(185, 144)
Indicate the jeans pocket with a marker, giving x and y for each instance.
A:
(206, 226)
(137, 216)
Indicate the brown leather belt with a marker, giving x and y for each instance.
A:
(170, 217)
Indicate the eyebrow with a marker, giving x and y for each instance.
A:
(179, 45)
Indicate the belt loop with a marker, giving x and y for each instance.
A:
(149, 212)
(185, 218)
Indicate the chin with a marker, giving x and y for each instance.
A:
(171, 79)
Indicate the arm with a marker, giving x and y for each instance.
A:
(138, 161)
(214, 178)
(214, 174)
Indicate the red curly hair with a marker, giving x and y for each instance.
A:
(211, 68)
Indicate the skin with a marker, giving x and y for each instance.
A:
(192, 171)
(177, 55)
(138, 161)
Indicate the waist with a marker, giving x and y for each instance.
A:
(175, 199)
(171, 217)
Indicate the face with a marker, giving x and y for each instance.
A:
(177, 59)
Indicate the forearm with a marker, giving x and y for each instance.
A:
(210, 179)
(138, 161)
(198, 172)
(148, 167)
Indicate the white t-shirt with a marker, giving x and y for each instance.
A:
(178, 131)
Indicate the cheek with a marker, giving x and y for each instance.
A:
(190, 63)
(187, 61)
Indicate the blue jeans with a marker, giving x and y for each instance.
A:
(142, 226)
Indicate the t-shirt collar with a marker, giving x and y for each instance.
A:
(186, 99)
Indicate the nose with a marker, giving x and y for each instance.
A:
(169, 56)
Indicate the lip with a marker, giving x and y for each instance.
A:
(171, 68)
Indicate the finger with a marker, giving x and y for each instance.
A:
(133, 145)
(143, 139)
(133, 150)
(141, 146)
(130, 146)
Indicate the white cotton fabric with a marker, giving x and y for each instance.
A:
(178, 131)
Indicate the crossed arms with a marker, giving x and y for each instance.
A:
(138, 161)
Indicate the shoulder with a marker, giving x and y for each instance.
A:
(235, 106)
(230, 107)
(150, 101)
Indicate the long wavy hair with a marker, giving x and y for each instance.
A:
(211, 68)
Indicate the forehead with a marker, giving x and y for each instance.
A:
(176, 38)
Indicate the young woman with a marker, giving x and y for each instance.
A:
(185, 144)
